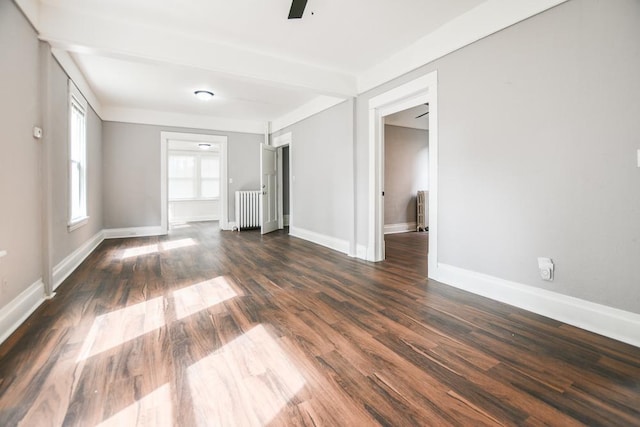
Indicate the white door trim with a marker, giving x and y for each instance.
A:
(280, 141)
(419, 91)
(219, 140)
(268, 191)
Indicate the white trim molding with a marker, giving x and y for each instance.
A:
(611, 322)
(67, 266)
(418, 91)
(119, 233)
(361, 252)
(330, 242)
(282, 140)
(219, 140)
(402, 227)
(20, 308)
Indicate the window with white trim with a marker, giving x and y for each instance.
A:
(194, 176)
(77, 158)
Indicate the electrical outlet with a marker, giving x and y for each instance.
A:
(546, 267)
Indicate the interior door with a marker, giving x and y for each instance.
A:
(268, 178)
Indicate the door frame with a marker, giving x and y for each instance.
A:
(418, 91)
(281, 141)
(265, 194)
(221, 142)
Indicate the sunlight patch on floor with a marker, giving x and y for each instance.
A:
(155, 409)
(139, 251)
(246, 382)
(157, 247)
(117, 327)
(201, 296)
(175, 244)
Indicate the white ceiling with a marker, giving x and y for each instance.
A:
(151, 86)
(150, 55)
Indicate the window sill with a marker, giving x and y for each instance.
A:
(207, 199)
(77, 223)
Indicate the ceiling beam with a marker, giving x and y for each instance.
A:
(80, 32)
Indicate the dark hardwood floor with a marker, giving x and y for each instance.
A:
(213, 328)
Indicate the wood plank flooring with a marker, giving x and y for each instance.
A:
(210, 328)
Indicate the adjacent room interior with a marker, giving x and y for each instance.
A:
(286, 212)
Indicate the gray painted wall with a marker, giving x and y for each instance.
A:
(322, 164)
(131, 171)
(406, 170)
(538, 132)
(64, 241)
(20, 179)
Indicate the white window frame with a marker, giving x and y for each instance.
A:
(77, 101)
(198, 155)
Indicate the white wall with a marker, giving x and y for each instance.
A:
(538, 134)
(406, 170)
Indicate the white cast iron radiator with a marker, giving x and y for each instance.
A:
(422, 203)
(247, 209)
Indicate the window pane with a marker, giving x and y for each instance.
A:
(210, 187)
(181, 166)
(77, 150)
(181, 188)
(210, 167)
(76, 202)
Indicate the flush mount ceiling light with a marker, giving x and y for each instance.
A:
(204, 146)
(203, 95)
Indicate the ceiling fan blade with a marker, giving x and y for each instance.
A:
(297, 9)
(424, 114)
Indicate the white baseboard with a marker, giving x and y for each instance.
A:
(611, 322)
(117, 233)
(230, 225)
(196, 218)
(402, 227)
(16, 311)
(361, 252)
(65, 267)
(321, 239)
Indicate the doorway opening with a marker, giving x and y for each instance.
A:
(406, 184)
(420, 91)
(284, 144)
(193, 175)
(285, 185)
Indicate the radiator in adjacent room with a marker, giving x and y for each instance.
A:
(247, 209)
(422, 204)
